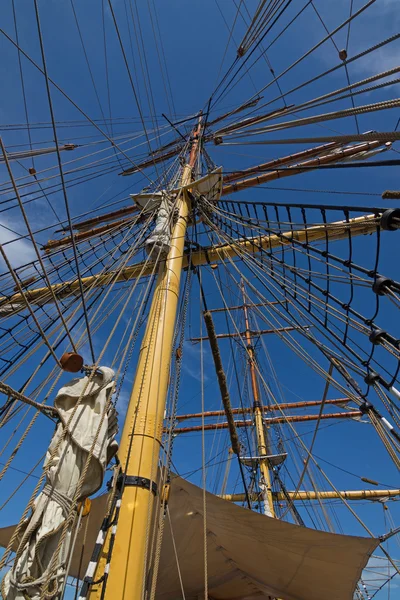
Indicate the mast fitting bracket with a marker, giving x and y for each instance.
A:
(137, 481)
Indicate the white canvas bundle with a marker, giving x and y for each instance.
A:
(90, 429)
(160, 240)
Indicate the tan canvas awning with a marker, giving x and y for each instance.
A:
(248, 554)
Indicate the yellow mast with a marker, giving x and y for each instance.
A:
(141, 436)
(262, 438)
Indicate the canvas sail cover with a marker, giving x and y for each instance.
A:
(249, 555)
(89, 428)
(159, 243)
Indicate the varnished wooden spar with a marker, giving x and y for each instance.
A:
(279, 162)
(110, 216)
(251, 333)
(87, 231)
(85, 235)
(244, 183)
(245, 106)
(300, 167)
(332, 231)
(251, 305)
(154, 160)
(161, 155)
(351, 414)
(38, 152)
(305, 495)
(248, 121)
(266, 408)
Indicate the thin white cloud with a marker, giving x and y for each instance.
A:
(191, 365)
(122, 404)
(18, 252)
(383, 59)
(377, 571)
(379, 21)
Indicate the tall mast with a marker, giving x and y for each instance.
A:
(261, 434)
(142, 433)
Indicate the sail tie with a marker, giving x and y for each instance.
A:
(60, 568)
(61, 499)
(30, 582)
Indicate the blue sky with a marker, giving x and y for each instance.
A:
(194, 38)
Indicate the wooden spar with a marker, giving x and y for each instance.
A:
(285, 160)
(266, 408)
(249, 104)
(85, 235)
(307, 165)
(303, 495)
(223, 385)
(239, 185)
(158, 158)
(332, 231)
(248, 121)
(263, 446)
(38, 152)
(233, 176)
(242, 334)
(351, 414)
(110, 216)
(223, 309)
(141, 436)
(151, 161)
(227, 178)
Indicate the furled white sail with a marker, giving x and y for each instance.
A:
(88, 425)
(159, 243)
